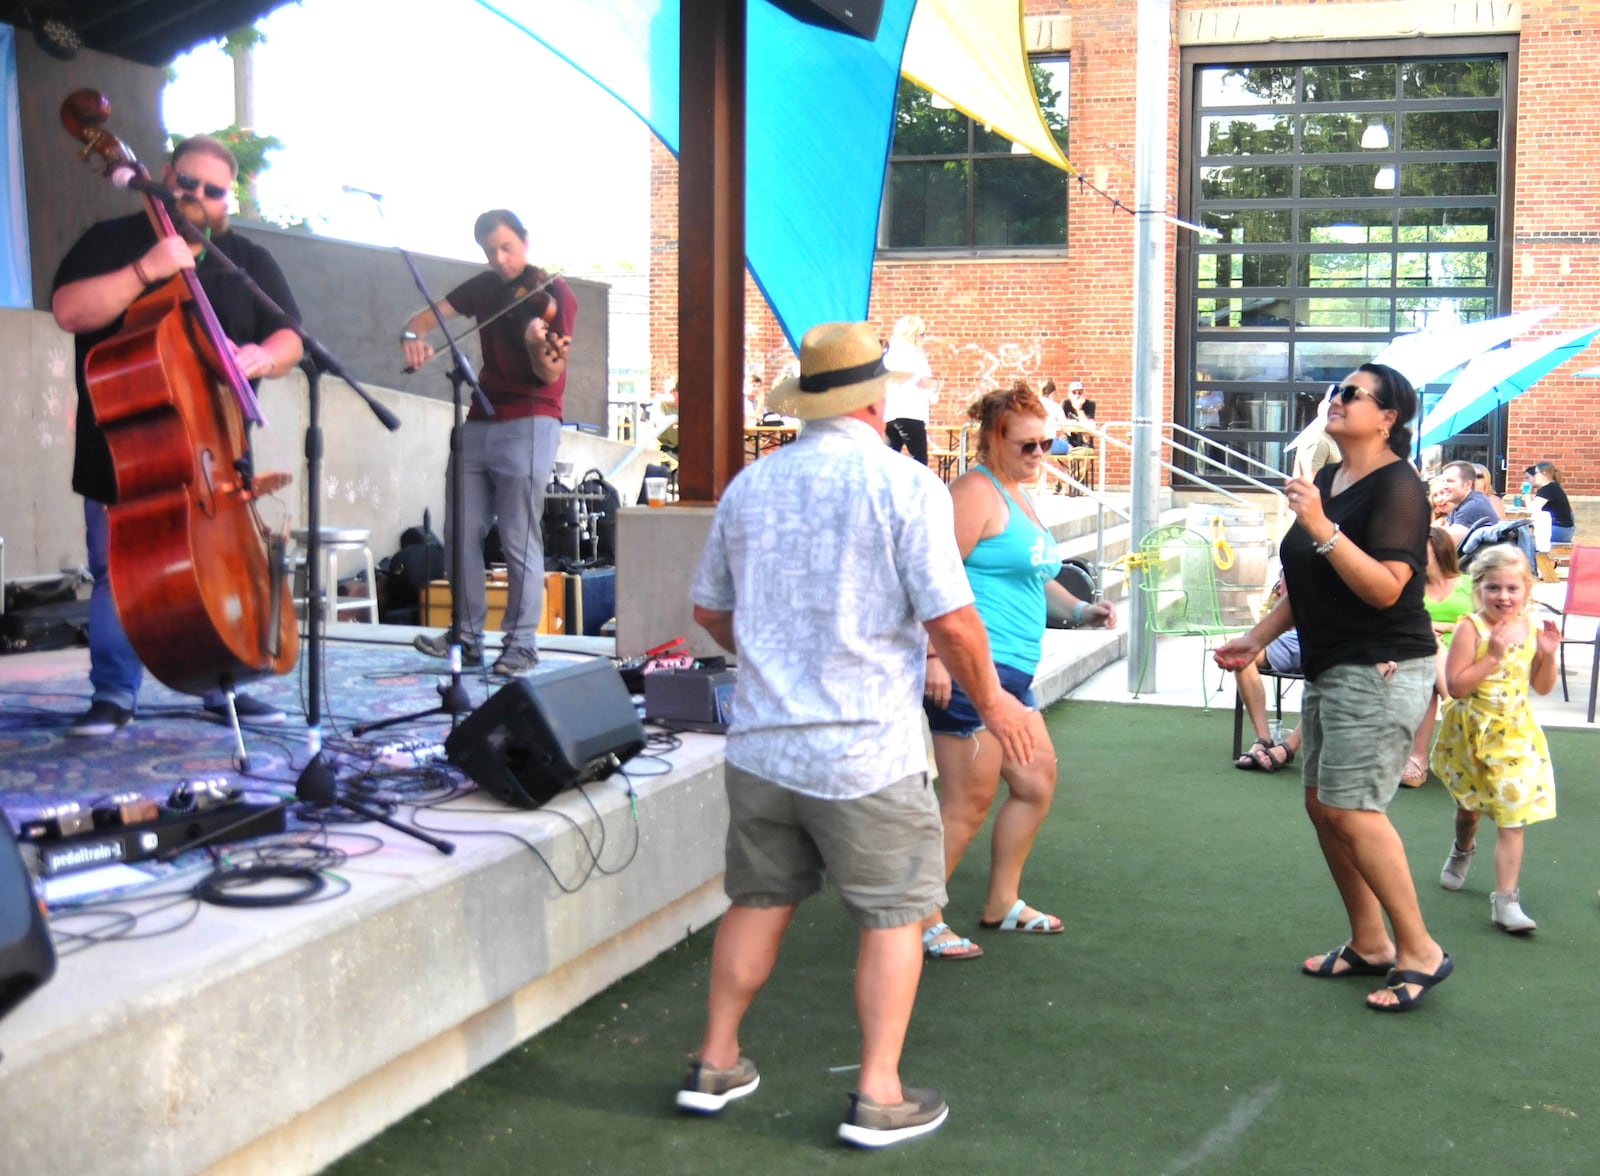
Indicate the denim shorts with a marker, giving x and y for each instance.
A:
(883, 851)
(961, 717)
(1356, 727)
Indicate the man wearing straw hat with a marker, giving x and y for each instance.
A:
(830, 565)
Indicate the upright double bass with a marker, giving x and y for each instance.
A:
(197, 580)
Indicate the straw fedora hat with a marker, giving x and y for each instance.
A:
(841, 370)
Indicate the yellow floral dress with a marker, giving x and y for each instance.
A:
(1491, 754)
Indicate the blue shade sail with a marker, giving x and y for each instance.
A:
(16, 276)
(818, 123)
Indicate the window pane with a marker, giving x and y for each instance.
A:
(1452, 225)
(1323, 363)
(1254, 412)
(1414, 314)
(921, 129)
(1232, 360)
(1226, 85)
(1050, 84)
(1246, 134)
(1345, 314)
(1451, 79)
(1346, 226)
(1350, 82)
(1451, 130)
(1225, 313)
(1245, 269)
(928, 205)
(1334, 180)
(1358, 268)
(1248, 226)
(1323, 134)
(1449, 179)
(1445, 268)
(1019, 200)
(1244, 183)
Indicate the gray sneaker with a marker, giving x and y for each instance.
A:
(707, 1089)
(438, 645)
(514, 660)
(872, 1124)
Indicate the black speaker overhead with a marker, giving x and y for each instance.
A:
(547, 732)
(857, 17)
(27, 957)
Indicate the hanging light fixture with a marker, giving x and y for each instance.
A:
(1384, 180)
(1375, 137)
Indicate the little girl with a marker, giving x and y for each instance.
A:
(1491, 754)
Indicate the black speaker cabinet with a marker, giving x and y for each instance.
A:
(547, 732)
(27, 958)
(858, 17)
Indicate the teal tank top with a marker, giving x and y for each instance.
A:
(1008, 572)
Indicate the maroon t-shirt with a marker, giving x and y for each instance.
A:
(507, 376)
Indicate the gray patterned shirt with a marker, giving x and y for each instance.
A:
(830, 554)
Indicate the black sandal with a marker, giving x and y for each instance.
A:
(1251, 762)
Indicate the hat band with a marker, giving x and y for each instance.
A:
(825, 381)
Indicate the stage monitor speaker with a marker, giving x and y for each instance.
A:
(547, 732)
(27, 958)
(858, 17)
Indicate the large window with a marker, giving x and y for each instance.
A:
(956, 185)
(1353, 201)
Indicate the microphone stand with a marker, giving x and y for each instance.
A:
(453, 698)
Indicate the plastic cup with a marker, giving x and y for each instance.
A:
(655, 491)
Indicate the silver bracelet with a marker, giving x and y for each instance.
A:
(1324, 548)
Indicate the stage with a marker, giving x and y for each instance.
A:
(272, 1040)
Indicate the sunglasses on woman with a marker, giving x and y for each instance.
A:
(189, 183)
(1349, 392)
(1030, 447)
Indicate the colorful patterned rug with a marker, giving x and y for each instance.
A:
(173, 740)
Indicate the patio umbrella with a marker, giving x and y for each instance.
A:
(1423, 356)
(1495, 378)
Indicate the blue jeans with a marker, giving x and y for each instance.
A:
(115, 670)
(1560, 534)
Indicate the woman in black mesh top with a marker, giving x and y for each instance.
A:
(1354, 562)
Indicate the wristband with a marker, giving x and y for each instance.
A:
(1077, 614)
(409, 336)
(1324, 548)
(138, 272)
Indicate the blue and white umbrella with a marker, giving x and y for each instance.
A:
(1495, 378)
(1423, 356)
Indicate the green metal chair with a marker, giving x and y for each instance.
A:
(1178, 582)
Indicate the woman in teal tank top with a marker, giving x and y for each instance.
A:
(1011, 564)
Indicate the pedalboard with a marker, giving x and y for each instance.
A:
(98, 841)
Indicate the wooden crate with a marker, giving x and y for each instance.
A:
(436, 604)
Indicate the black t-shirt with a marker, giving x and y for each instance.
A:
(1385, 514)
(1556, 502)
(507, 376)
(112, 244)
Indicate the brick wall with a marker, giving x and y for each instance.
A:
(1071, 317)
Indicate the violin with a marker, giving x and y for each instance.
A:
(198, 582)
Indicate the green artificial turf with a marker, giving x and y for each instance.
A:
(1167, 1031)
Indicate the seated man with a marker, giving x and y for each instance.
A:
(1470, 508)
(1267, 754)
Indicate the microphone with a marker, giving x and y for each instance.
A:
(378, 196)
(123, 176)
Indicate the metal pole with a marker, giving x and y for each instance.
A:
(1151, 103)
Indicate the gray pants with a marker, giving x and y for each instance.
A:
(506, 468)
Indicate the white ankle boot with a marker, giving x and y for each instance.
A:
(1454, 874)
(1507, 913)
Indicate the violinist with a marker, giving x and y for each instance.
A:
(507, 457)
(112, 265)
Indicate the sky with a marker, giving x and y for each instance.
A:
(445, 110)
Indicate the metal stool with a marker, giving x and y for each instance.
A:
(332, 541)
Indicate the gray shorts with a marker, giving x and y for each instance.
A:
(1356, 727)
(884, 852)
